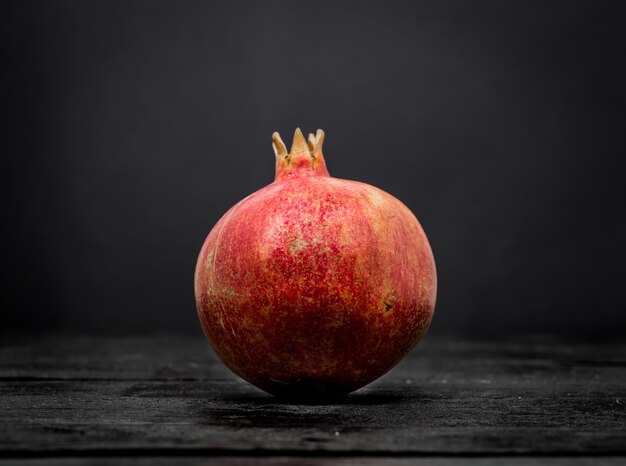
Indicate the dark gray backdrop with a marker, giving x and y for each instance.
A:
(130, 127)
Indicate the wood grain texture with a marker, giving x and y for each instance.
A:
(162, 395)
(322, 461)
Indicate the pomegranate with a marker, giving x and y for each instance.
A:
(314, 286)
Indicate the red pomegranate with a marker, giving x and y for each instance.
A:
(314, 286)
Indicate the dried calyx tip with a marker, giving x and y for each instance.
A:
(319, 141)
(299, 144)
(279, 146)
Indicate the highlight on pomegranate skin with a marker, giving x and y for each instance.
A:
(314, 286)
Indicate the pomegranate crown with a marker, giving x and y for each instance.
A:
(305, 157)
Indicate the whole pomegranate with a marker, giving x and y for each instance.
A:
(314, 286)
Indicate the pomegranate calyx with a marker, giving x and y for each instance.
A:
(305, 157)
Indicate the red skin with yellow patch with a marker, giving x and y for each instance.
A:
(314, 285)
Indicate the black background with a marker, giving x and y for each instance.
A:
(131, 127)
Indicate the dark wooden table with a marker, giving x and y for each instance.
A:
(152, 400)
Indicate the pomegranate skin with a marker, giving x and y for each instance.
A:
(314, 286)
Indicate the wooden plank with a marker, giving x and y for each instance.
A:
(175, 357)
(322, 461)
(224, 416)
(151, 395)
(65, 357)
